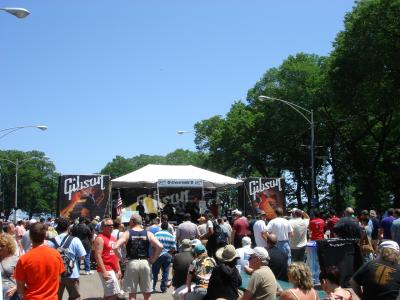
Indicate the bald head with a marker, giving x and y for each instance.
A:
(349, 212)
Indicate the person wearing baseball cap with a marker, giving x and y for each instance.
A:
(240, 228)
(199, 273)
(262, 284)
(380, 277)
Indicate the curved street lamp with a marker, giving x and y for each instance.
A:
(18, 163)
(302, 111)
(183, 131)
(16, 11)
(13, 129)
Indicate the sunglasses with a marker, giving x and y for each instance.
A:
(109, 225)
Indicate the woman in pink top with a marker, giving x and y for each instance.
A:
(300, 276)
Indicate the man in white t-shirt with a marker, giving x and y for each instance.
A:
(260, 230)
(298, 241)
(283, 231)
(244, 253)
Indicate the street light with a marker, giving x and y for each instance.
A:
(16, 11)
(183, 131)
(17, 164)
(301, 110)
(7, 131)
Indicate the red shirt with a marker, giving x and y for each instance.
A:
(110, 260)
(241, 226)
(317, 229)
(40, 269)
(330, 223)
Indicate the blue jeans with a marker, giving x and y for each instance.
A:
(285, 247)
(164, 263)
(312, 260)
(87, 261)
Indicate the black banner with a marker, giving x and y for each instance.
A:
(83, 195)
(263, 193)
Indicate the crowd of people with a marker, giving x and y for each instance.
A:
(207, 258)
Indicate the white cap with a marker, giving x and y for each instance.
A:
(261, 253)
(246, 241)
(32, 221)
(389, 245)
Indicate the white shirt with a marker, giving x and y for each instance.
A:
(281, 228)
(258, 228)
(244, 256)
(299, 238)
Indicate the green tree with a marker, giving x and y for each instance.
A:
(37, 181)
(266, 138)
(120, 166)
(364, 77)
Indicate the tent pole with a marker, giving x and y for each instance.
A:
(158, 201)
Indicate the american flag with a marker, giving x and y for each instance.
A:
(118, 204)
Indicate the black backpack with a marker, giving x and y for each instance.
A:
(65, 255)
(220, 235)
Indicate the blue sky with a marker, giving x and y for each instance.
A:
(121, 77)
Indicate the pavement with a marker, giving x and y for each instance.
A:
(91, 289)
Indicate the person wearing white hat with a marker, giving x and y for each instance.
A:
(262, 284)
(240, 228)
(379, 278)
(244, 253)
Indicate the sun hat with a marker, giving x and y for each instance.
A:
(186, 244)
(198, 249)
(226, 254)
(389, 245)
(260, 252)
(97, 218)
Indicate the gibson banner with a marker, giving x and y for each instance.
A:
(83, 195)
(264, 194)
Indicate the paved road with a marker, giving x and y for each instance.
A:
(91, 289)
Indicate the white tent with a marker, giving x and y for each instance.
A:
(149, 175)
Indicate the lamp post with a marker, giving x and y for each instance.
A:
(301, 110)
(16, 11)
(8, 131)
(18, 163)
(183, 131)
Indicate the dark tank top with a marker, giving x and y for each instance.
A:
(138, 245)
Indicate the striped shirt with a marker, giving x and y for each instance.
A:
(167, 240)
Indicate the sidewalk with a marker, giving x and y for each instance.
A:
(92, 289)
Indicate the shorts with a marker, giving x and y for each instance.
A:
(138, 274)
(111, 286)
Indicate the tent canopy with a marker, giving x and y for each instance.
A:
(149, 175)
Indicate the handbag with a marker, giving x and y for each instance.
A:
(365, 244)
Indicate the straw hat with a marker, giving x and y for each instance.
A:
(226, 254)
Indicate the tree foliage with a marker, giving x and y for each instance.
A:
(355, 96)
(37, 181)
(120, 166)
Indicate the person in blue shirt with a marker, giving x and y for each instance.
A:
(386, 224)
(77, 252)
(164, 260)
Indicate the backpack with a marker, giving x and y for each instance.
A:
(65, 255)
(220, 235)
